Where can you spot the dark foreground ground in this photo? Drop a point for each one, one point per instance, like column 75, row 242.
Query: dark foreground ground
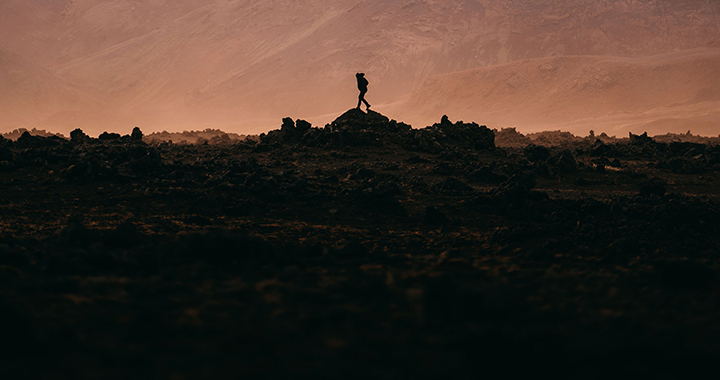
column 361, row 250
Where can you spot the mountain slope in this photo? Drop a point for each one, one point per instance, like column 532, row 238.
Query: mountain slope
column 580, row 93
column 163, row 63
column 32, row 95
column 400, row 43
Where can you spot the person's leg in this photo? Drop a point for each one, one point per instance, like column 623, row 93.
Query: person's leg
column 362, row 99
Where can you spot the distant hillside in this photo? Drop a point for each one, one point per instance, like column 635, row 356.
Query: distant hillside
column 667, row 93
column 186, row 64
column 212, row 136
column 30, row 94
column 15, row 134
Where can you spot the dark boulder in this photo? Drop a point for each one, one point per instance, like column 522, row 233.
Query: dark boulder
column 143, row 160
column 89, row 170
column 565, row 162
column 136, row 134
column 78, row 136
column 444, row 135
column 357, row 128
column 640, row 139
column 28, row 141
column 222, row 139
column 600, row 149
column 536, row 153
column 105, row 136
column 302, row 126
column 357, row 120
column 516, row 189
column 290, row 132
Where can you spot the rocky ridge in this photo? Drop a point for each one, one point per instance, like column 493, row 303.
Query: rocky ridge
column 312, row 248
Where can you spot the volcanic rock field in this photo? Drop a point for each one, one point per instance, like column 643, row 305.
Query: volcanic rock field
column 362, row 249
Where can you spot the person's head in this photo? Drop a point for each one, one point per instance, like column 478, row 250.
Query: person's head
column 358, row 75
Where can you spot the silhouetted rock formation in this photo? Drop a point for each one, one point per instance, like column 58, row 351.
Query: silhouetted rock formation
column 15, row 134
column 459, row 134
column 357, row 128
column 78, row 136
column 640, row 139
column 105, row 136
column 511, row 138
column 136, row 134
column 348, row 238
column 210, row 135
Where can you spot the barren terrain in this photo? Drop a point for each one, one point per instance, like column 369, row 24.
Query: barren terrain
column 361, row 249
column 659, row 94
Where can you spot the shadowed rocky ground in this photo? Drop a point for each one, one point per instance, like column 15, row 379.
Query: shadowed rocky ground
column 361, row 249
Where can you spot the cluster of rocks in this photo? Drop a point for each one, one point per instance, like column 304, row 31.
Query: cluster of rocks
column 357, row 128
column 362, row 234
column 677, row 157
column 108, row 156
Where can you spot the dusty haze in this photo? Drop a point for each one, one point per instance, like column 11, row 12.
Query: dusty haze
column 242, row 65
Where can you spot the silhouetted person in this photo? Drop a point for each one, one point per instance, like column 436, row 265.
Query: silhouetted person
column 362, row 86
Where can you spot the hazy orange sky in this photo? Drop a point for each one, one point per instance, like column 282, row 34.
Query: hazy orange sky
column 240, row 66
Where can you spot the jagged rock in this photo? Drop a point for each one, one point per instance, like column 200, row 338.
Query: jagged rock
column 87, row 170
column 516, row 189
column 302, row 126
column 362, row 173
column 357, row 128
column 290, row 132
column 640, row 139
column 565, row 162
column 288, row 125
column 223, row 139
column 357, row 120
column 28, row 141
column 105, row 136
column 418, row 183
column 78, row 136
column 536, row 153
column 145, row 160
column 136, row 134
column 600, row 149
column 445, row 134
column 510, row 137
